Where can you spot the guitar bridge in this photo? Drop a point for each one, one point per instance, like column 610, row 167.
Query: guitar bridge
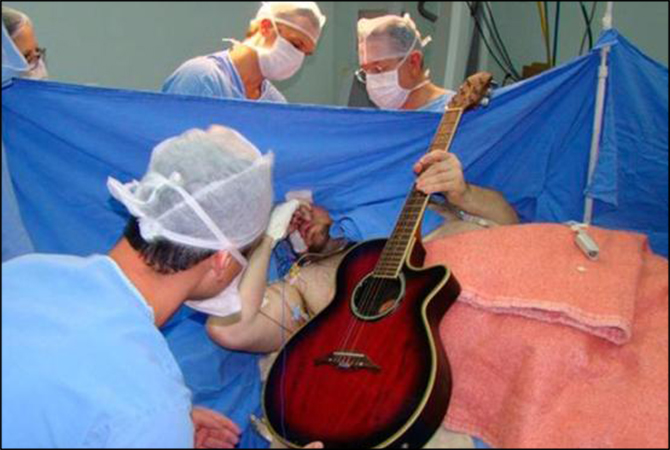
column 348, row 361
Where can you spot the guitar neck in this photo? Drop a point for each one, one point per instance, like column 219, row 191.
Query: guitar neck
column 398, row 246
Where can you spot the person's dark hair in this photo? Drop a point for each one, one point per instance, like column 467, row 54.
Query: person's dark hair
column 162, row 255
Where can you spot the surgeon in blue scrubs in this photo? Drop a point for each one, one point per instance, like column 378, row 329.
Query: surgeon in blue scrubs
column 391, row 54
column 21, row 58
column 83, row 362
column 391, row 57
column 278, row 40
column 15, row 239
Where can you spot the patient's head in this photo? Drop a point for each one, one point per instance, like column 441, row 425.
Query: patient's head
column 313, row 223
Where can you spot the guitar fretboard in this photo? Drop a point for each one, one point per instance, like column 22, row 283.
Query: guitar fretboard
column 397, row 247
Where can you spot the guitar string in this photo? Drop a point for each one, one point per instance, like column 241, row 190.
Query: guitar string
column 403, row 223
column 406, row 221
column 369, row 306
column 372, row 291
column 380, row 282
column 358, row 332
column 361, row 329
column 444, row 123
column 367, row 297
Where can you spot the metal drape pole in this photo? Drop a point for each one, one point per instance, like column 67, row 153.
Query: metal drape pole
column 603, row 73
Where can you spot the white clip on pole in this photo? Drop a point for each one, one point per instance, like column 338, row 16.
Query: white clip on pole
column 584, row 241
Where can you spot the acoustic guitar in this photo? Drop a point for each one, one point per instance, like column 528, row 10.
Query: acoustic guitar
column 370, row 371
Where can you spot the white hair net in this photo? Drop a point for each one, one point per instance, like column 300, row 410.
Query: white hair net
column 13, row 62
column 303, row 16
column 206, row 189
column 388, row 37
column 14, row 20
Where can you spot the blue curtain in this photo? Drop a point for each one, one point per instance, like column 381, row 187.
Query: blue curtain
column 532, row 144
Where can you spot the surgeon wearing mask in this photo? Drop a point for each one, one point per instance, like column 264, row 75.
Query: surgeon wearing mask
column 83, row 364
column 392, row 66
column 279, row 39
column 21, row 31
column 15, row 238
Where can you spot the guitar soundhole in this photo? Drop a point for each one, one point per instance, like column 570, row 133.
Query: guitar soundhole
column 377, row 297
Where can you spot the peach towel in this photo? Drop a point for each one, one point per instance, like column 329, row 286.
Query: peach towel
column 600, row 381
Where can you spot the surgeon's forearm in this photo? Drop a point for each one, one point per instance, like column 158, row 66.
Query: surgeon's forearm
column 254, row 280
column 488, row 204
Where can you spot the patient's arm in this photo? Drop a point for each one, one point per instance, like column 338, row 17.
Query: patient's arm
column 267, row 329
column 286, row 307
column 246, row 332
column 488, row 204
column 254, row 281
column 442, row 172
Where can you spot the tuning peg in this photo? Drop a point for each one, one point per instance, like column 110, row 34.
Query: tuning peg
column 486, row 99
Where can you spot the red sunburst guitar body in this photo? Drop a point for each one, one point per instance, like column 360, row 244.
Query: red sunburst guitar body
column 395, row 385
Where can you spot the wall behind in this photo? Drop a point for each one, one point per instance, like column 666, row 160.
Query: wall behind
column 645, row 24
column 136, row 45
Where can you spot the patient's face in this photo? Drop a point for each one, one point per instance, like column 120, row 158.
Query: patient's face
column 313, row 223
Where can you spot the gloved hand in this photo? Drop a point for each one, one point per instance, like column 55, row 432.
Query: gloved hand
column 280, row 219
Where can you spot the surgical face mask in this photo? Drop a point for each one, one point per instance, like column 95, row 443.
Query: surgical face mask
column 384, row 88
column 280, row 62
column 37, row 72
column 225, row 303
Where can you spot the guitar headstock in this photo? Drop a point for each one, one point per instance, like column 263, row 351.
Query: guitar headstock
column 475, row 89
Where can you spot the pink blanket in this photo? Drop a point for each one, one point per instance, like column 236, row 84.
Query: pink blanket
column 591, row 371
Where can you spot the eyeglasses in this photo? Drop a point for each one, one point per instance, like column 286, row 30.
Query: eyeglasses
column 34, row 56
column 362, row 75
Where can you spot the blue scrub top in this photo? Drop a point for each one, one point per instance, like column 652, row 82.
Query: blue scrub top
column 83, row 364
column 439, row 104
column 215, row 75
column 223, row 380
